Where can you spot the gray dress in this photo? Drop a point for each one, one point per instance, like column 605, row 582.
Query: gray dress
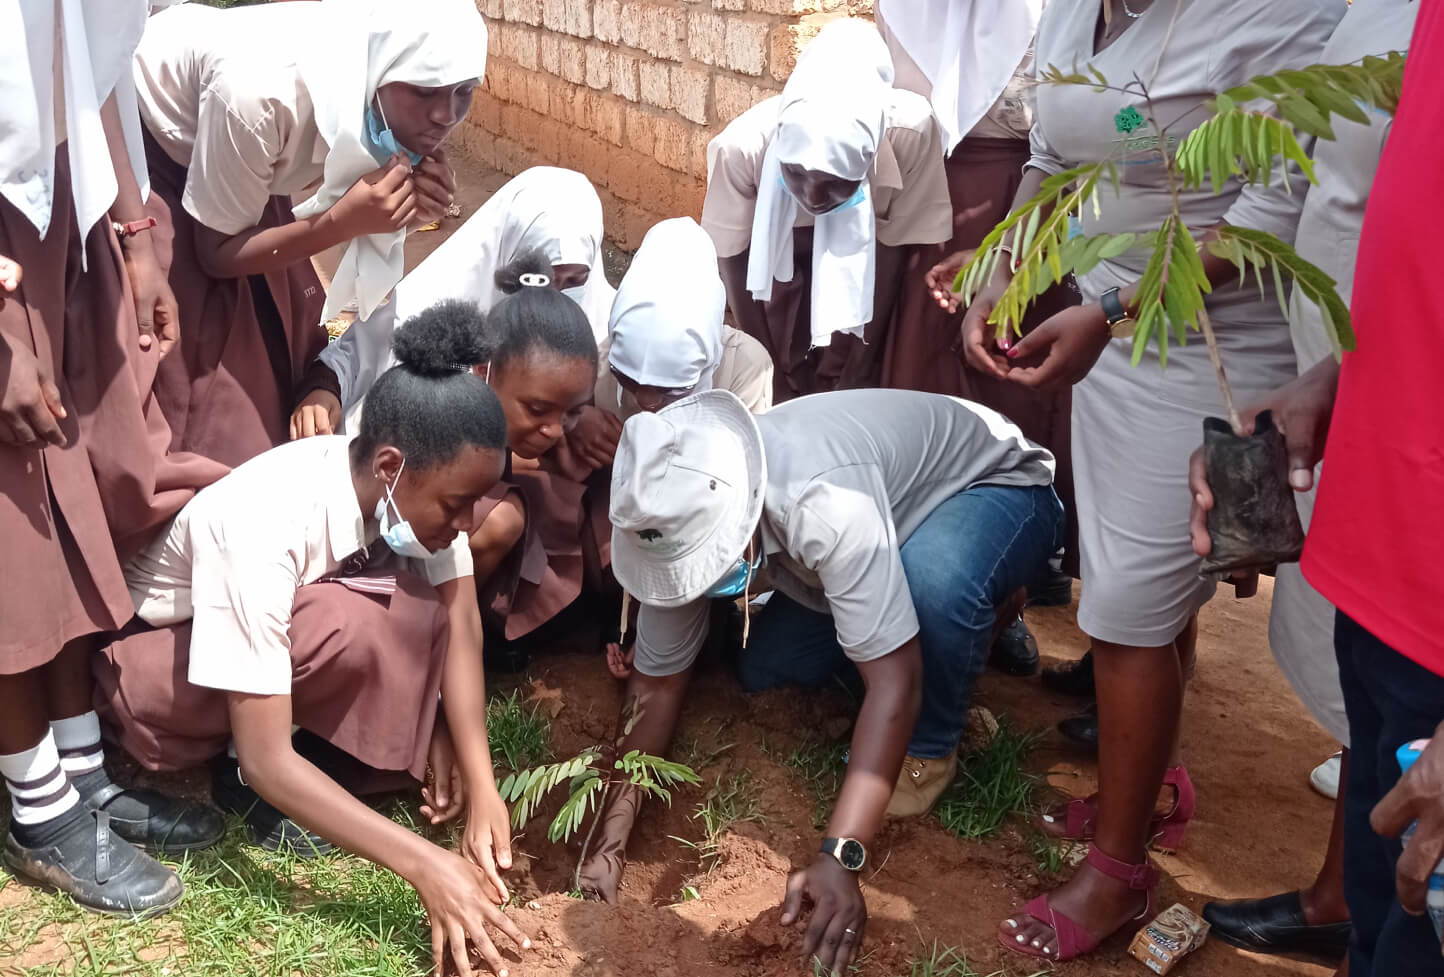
column 1135, row 428
column 1301, row 623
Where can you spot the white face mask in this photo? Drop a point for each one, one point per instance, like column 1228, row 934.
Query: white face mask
column 398, row 535
column 575, row 293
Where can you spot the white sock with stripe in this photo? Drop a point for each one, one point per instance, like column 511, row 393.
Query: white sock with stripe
column 39, row 788
column 78, row 740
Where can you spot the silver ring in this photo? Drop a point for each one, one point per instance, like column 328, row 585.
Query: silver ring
column 850, row 931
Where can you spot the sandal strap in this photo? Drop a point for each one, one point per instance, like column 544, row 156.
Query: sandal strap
column 1082, row 814
column 1139, row 877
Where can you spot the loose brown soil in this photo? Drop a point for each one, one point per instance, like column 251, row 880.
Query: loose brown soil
column 1249, row 747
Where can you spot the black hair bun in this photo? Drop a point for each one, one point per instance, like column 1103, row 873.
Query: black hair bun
column 446, row 338
column 508, row 277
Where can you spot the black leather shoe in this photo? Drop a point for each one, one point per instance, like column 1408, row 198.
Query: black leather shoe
column 154, row 822
column 99, row 870
column 1276, row 925
column 267, row 827
column 1074, row 678
column 1082, row 729
column 1015, row 652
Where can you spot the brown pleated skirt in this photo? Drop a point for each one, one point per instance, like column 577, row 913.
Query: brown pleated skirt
column 230, row 386
column 64, row 511
column 366, row 676
column 983, row 176
column 547, row 569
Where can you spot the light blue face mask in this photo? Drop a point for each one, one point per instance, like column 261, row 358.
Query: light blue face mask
column 856, row 198
column 398, row 535
column 734, row 582
column 576, row 293
column 382, row 141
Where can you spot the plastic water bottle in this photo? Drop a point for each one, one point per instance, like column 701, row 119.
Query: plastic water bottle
column 1434, row 901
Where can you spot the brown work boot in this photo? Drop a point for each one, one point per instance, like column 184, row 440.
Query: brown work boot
column 920, row 783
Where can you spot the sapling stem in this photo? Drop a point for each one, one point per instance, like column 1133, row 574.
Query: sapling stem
column 591, row 831
column 1206, row 326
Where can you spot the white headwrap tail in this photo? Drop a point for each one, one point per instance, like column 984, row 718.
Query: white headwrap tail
column 370, row 43
column 968, row 49
column 88, row 46
column 831, row 118
column 667, row 320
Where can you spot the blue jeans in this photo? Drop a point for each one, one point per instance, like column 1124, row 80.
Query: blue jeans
column 968, row 556
column 1390, row 700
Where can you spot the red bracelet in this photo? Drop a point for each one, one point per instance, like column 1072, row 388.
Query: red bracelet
column 133, row 228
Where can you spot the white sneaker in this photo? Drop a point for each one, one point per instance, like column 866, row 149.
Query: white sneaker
column 1325, row 777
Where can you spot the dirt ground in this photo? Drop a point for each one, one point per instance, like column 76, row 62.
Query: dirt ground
column 1248, row 743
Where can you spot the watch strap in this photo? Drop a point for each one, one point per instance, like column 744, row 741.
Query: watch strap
column 133, row 228
column 1112, row 306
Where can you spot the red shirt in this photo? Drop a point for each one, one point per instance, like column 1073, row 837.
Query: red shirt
column 1376, row 544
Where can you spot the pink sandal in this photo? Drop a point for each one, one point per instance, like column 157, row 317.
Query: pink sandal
column 1073, row 940
column 1165, row 832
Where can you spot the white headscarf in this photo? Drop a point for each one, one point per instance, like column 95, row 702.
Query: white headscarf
column 831, row 118
column 367, row 44
column 544, row 208
column 88, row 46
column 666, row 323
column 968, row 49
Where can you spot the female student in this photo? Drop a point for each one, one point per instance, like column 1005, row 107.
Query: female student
column 85, row 316
column 892, row 524
column 666, row 338
column 540, row 544
column 546, row 209
column 813, row 197
column 327, row 583
column 244, row 109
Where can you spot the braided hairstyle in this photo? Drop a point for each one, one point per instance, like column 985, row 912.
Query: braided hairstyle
column 531, row 317
column 430, row 405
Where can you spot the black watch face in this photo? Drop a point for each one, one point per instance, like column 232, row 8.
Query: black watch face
column 852, row 855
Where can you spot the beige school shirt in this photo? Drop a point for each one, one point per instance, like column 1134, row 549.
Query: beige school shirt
column 1333, row 213
column 745, row 370
column 221, row 92
column 233, row 558
column 851, row 475
column 909, row 187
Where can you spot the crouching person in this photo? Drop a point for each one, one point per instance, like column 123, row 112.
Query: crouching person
column 892, row 524
column 327, row 584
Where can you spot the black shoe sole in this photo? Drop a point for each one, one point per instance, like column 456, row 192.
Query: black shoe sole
column 270, row 837
column 1331, row 954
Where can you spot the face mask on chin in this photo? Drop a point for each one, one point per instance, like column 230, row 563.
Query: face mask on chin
column 398, row 535
column 382, row 141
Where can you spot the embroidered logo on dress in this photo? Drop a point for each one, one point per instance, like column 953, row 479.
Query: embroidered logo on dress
column 1129, row 120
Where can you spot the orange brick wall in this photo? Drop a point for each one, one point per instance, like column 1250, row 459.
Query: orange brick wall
column 629, row 92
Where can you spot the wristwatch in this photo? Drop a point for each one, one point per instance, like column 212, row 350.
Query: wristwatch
column 848, row 851
column 1120, row 323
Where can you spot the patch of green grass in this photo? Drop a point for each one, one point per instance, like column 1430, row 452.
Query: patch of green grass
column 946, row 961
column 245, row 911
column 699, row 752
column 993, row 784
column 1051, row 855
column 821, row 767
column 732, row 800
column 519, row 734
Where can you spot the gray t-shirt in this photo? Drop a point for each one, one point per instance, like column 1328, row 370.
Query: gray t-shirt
column 850, row 476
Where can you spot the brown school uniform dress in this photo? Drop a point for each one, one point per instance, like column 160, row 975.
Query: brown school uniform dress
column 272, row 583
column 231, row 135
column 909, row 196
column 64, row 510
